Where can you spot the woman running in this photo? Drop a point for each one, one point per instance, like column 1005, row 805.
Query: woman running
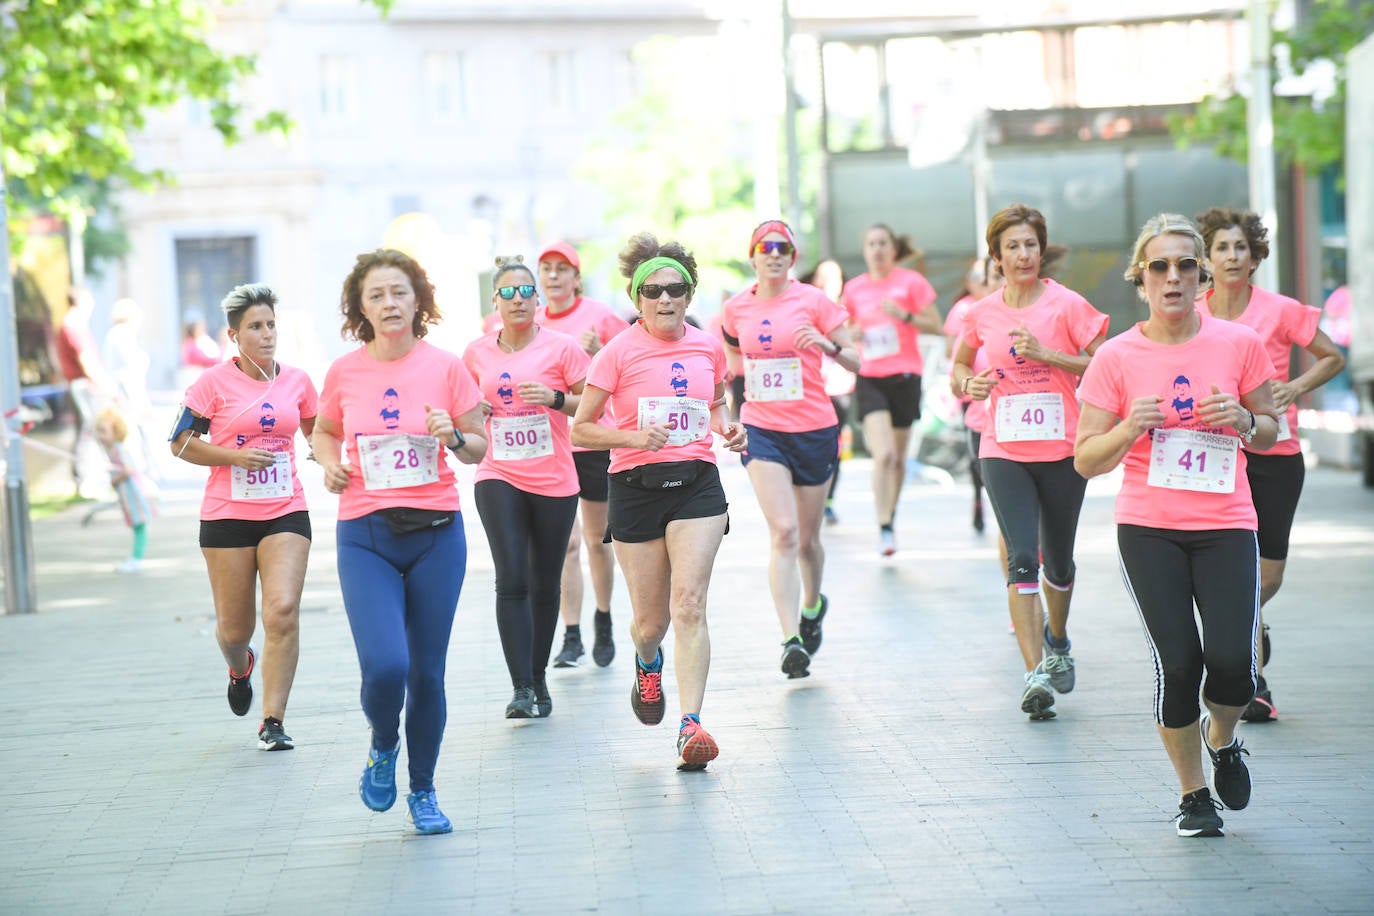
column 1038, row 337
column 781, row 327
column 665, row 383
column 1173, row 398
column 592, row 324
column 890, row 306
column 390, row 407
column 526, row 486
column 254, row 527
column 982, row 279
column 1236, row 244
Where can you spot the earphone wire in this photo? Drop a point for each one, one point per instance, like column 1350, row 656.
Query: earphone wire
column 271, row 380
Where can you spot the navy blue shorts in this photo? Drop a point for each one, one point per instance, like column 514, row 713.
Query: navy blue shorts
column 810, row 456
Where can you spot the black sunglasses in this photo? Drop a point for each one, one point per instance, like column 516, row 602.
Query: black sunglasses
column 655, row 291
column 1160, row 266
column 525, row 290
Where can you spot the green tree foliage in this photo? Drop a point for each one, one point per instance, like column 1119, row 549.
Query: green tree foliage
column 1305, row 134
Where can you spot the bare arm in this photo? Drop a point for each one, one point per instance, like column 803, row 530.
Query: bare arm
column 1028, row 346
column 1103, row 442
column 1328, row 365
column 587, row 433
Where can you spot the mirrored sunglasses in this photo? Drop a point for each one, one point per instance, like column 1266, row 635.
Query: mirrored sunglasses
column 774, row 247
column 526, row 290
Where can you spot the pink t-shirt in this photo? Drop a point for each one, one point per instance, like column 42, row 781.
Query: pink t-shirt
column 888, row 346
column 527, row 444
column 1129, row 366
column 491, row 322
column 585, row 315
column 248, row 413
column 976, row 416
column 379, row 399
column 774, row 367
column 1280, row 322
column 637, row 367
column 1061, row 320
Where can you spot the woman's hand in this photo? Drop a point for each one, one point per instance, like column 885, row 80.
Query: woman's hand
column 1285, row 394
column 736, row 440
column 979, row 386
column 336, row 477
column 535, row 393
column 439, row 424
column 254, row 459
column 1145, row 415
column 807, row 336
column 893, row 310
column 1219, row 409
column 652, row 438
column 1025, row 345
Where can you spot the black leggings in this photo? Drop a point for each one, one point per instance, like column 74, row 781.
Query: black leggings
column 1037, row 505
column 528, row 535
column 1275, row 486
column 1166, row 571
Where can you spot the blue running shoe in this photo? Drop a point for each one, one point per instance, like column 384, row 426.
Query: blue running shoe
column 378, row 785
column 425, row 813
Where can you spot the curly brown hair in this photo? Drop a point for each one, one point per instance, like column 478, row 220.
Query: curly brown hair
column 357, row 327
column 644, row 245
column 1247, row 221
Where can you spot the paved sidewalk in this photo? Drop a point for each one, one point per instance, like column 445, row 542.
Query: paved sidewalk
column 900, row 777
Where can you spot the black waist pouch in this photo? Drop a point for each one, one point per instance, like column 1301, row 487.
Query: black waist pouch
column 403, row 520
column 671, row 475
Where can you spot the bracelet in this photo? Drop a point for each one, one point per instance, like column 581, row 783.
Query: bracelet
column 835, row 352
column 558, row 399
column 458, row 434
column 963, row 386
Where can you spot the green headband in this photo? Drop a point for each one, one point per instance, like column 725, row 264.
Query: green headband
column 642, row 273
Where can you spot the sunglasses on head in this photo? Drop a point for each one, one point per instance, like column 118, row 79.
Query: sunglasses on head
column 1160, row 266
column 526, row 290
column 774, row 247
column 655, row 290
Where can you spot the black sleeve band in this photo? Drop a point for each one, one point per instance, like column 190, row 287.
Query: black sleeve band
column 732, row 341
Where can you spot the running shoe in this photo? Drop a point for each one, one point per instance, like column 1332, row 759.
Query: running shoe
column 1261, row 708
column 887, row 541
column 1264, row 644
column 425, row 813
column 272, row 737
column 1197, row 814
column 241, row 686
column 378, row 784
column 523, row 704
column 830, row 517
column 571, row 654
column 695, row 748
column 810, row 627
column 130, row 565
column 1058, row 664
column 646, row 697
column 603, row 648
column 796, row 661
column 541, row 696
column 1230, row 776
column 1038, row 700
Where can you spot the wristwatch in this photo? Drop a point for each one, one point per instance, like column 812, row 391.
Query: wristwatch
column 458, row 434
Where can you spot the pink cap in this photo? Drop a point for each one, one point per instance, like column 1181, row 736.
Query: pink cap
column 564, row 251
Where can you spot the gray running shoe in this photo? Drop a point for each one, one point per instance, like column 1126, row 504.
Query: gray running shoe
column 796, row 661
column 1058, row 664
column 571, row 654
column 1038, row 700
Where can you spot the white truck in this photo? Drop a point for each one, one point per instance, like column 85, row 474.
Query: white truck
column 1359, row 217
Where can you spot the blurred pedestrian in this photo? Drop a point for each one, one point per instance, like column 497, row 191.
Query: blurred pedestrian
column 136, row 495
column 88, row 387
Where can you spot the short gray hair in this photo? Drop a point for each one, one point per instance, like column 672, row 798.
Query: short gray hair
column 240, row 298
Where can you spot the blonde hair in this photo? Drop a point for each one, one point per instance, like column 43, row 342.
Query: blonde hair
column 506, row 263
column 113, row 417
column 1155, row 226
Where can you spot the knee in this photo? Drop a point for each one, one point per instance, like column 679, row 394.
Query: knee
column 574, row 547
column 786, row 538
column 424, row 682
column 689, row 607
column 280, row 617
column 385, row 675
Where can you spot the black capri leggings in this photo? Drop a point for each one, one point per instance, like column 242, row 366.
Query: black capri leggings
column 1037, row 505
column 1275, row 486
column 1166, row 571
column 528, row 535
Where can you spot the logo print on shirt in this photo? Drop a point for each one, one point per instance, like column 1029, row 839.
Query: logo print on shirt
column 766, row 335
column 268, row 420
column 679, row 380
column 505, row 390
column 391, row 409
column 1183, row 398
column 1020, row 360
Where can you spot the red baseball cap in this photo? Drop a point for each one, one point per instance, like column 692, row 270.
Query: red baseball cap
column 564, row 251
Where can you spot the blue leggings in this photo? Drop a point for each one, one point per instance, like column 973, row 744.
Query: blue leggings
column 400, row 592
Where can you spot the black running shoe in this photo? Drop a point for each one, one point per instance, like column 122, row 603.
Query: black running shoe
column 646, row 697
column 1197, row 814
column 241, row 687
column 603, row 648
column 523, row 705
column 272, row 737
column 1261, row 708
column 796, row 661
column 810, row 628
column 1229, row 773
column 571, row 654
column 541, row 696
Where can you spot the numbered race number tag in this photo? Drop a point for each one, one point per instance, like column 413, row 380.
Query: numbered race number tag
column 1030, row 417
column 1285, row 431
column 273, row 482
column 400, row 460
column 880, row 340
column 518, row 438
column 1189, row 459
column 687, row 419
column 778, row 379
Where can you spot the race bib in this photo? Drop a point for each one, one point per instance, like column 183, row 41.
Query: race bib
column 1285, row 432
column 518, row 438
column 400, row 460
column 687, row 419
column 778, row 379
column 1030, row 417
column 880, row 340
column 272, row 482
column 1189, row 459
